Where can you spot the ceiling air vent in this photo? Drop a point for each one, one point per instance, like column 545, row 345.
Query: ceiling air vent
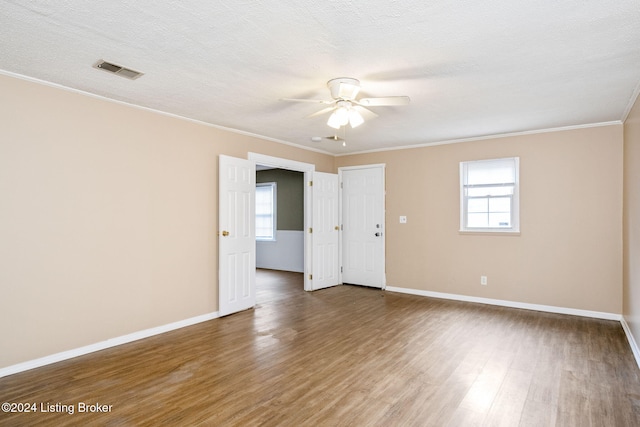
column 117, row 69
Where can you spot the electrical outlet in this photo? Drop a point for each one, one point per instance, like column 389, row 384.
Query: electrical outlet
column 403, row 219
column 483, row 280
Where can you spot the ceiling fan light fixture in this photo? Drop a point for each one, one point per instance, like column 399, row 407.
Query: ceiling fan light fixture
column 339, row 118
column 355, row 118
column 343, row 115
column 333, row 121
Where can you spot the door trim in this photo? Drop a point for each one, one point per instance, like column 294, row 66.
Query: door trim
column 308, row 169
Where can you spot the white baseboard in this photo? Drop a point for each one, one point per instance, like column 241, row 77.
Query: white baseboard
column 512, row 304
column 632, row 341
column 69, row 354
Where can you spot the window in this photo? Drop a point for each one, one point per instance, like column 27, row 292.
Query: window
column 266, row 211
column 489, row 195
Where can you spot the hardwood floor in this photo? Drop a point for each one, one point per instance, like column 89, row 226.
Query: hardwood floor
column 349, row 356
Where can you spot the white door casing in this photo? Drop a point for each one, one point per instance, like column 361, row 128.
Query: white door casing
column 308, row 169
column 326, row 231
column 363, row 219
column 236, row 235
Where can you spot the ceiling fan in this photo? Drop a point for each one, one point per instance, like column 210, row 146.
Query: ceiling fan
column 345, row 107
column 333, row 137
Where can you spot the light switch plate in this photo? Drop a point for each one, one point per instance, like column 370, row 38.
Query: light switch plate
column 403, row 219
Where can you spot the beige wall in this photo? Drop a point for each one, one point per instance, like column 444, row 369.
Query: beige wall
column 569, row 252
column 632, row 221
column 108, row 217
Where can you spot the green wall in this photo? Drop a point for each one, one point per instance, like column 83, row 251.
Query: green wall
column 290, row 194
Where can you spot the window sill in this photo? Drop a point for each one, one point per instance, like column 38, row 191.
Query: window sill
column 490, row 232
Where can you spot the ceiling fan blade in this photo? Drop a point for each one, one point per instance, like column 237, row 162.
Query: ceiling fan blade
column 312, row 101
column 334, row 138
column 384, row 101
column 323, row 111
column 365, row 113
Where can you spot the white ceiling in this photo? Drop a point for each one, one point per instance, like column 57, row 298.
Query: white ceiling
column 471, row 68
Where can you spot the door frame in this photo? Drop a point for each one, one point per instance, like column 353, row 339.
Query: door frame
column 382, row 166
column 308, row 169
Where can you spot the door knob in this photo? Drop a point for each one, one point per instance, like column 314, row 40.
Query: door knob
column 225, row 233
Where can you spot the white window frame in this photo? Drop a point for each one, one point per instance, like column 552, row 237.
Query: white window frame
column 514, row 223
column 274, row 194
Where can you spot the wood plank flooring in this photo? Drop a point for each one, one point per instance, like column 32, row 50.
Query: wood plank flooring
column 349, row 356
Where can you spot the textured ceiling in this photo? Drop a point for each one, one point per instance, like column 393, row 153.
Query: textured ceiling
column 471, row 68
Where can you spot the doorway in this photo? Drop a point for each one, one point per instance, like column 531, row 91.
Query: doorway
column 281, row 247
column 307, row 171
column 321, row 228
column 237, row 268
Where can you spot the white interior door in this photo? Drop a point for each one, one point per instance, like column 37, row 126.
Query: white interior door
column 363, row 226
column 236, row 235
column 326, row 231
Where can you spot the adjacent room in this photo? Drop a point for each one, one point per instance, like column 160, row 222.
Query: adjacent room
column 408, row 213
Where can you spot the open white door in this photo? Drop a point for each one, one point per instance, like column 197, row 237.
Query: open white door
column 363, row 225
column 236, row 235
column 326, row 231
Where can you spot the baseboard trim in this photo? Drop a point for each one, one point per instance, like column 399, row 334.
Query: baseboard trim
column 113, row 342
column 512, row 304
column 631, row 339
column 124, row 339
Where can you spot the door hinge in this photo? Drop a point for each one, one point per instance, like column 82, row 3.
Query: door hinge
column 310, row 183
column 311, row 277
column 341, row 269
column 310, row 230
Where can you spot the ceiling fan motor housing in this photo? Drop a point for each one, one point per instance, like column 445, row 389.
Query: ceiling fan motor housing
column 344, row 88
